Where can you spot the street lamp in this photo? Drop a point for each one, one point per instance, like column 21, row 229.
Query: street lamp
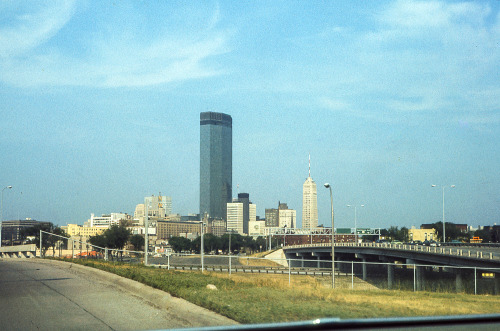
column 444, row 229
column 202, row 248
column 230, row 250
column 355, row 221
column 146, row 225
column 333, row 237
column 1, row 213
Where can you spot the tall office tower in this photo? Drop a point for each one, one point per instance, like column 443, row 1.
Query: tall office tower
column 216, row 164
column 244, row 198
column 309, row 202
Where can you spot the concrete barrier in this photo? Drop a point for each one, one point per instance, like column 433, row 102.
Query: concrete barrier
column 278, row 257
column 19, row 251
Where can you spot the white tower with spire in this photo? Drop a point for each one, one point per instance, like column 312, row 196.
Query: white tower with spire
column 309, row 202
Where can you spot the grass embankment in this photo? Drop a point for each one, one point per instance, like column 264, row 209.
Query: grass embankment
column 248, row 298
column 257, row 260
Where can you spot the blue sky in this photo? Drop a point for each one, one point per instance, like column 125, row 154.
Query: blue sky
column 100, row 103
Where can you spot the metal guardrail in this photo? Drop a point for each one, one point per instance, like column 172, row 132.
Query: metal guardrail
column 251, row 270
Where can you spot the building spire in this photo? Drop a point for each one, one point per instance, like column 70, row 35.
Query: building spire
column 309, row 164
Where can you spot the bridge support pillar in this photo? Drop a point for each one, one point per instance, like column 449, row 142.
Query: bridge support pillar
column 497, row 283
column 390, row 276
column 459, row 281
column 420, row 278
column 364, row 269
column 344, row 267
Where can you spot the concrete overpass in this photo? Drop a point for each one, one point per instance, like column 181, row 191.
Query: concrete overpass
column 423, row 263
column 462, row 256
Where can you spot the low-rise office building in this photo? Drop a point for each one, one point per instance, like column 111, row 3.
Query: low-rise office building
column 422, row 234
column 11, row 230
column 168, row 229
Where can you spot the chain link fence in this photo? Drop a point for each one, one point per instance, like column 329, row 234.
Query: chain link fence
column 353, row 275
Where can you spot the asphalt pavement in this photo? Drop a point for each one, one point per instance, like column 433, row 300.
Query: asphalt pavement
column 52, row 295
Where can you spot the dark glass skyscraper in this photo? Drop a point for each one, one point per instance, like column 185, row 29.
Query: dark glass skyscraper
column 245, row 199
column 216, row 163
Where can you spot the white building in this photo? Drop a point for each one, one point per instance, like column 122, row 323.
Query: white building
column 235, row 216
column 287, row 218
column 139, row 212
column 309, row 202
column 106, row 221
column 160, row 206
column 256, row 228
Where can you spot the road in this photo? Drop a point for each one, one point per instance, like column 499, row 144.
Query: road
column 195, row 260
column 52, row 295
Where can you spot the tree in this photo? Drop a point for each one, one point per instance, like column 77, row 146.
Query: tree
column 484, row 234
column 260, row 243
column 115, row 237
column 249, row 244
column 137, row 241
column 34, row 231
column 54, row 240
column 403, row 234
column 396, row 234
column 495, row 234
column 452, row 231
column 211, row 243
column 180, row 244
column 126, row 223
column 384, row 233
column 98, row 240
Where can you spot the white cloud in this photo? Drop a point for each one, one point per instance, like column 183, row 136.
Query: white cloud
column 429, row 56
column 29, row 30
column 110, row 58
column 432, row 14
column 333, row 104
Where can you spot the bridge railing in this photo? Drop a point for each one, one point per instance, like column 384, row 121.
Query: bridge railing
column 462, row 251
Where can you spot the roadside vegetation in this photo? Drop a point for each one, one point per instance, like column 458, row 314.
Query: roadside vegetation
column 214, row 244
column 260, row 298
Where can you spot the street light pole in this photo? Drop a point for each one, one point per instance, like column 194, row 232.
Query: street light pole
column 355, row 223
column 146, row 239
column 202, row 248
column 444, row 228
column 230, row 251
column 333, row 237
column 1, row 213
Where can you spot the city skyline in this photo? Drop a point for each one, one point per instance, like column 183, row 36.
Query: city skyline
column 387, row 97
